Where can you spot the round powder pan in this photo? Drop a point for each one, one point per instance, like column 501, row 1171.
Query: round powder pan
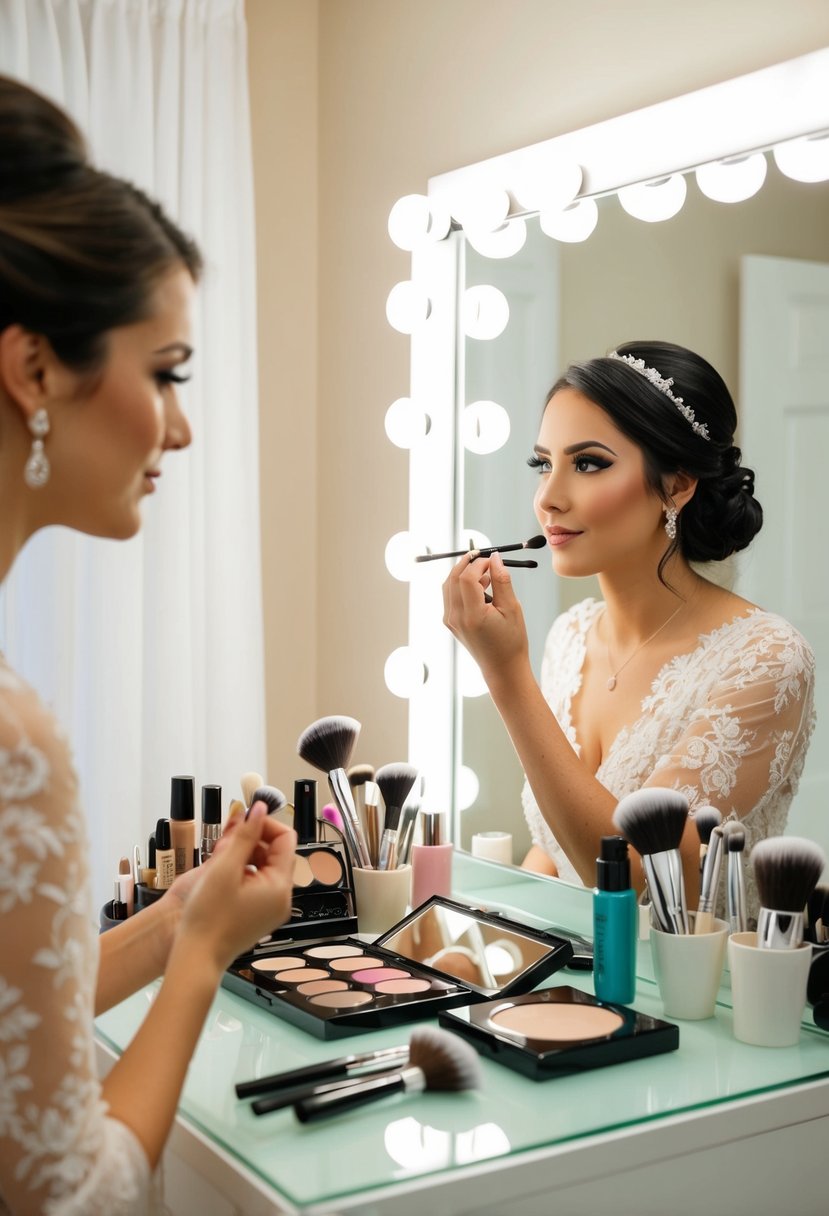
column 558, row 1031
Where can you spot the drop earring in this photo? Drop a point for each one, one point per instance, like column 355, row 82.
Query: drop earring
column 36, row 472
column 670, row 522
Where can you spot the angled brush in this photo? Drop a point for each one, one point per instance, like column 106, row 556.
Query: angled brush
column 327, row 744
column 653, row 820
column 787, row 870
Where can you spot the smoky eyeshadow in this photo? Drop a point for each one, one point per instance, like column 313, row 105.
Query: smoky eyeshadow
column 277, row 964
column 355, row 964
column 556, row 1023
column 341, row 1000
column 342, row 951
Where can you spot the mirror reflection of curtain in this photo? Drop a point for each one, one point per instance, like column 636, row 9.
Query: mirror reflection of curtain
column 151, row 652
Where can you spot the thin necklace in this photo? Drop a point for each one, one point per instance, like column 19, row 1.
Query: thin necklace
column 614, row 675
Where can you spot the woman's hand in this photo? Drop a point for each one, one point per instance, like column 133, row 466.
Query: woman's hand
column 491, row 627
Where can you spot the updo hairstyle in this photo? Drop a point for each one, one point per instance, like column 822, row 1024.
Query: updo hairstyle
column 723, row 516
column 80, row 250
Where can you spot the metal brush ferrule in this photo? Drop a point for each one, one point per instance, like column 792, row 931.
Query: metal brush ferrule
column 341, row 791
column 666, row 886
column 710, row 879
column 779, row 930
column 736, row 893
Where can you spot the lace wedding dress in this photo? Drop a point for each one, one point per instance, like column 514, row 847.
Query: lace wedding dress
column 60, row 1152
column 728, row 724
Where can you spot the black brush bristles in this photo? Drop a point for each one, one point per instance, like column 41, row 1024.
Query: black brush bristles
column 706, row 818
column 735, row 837
column 273, row 798
column 327, row 744
column 359, row 774
column 652, row 819
column 396, row 781
column 787, row 870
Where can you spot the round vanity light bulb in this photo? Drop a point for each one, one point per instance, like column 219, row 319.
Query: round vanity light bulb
column 550, row 187
column 485, row 427
column 484, row 312
column 400, row 554
column 473, row 539
column 407, row 307
column 404, row 672
column 654, row 201
column 732, row 180
column 572, row 224
column 805, row 159
column 482, row 210
column 414, row 220
column 406, row 423
column 505, row 241
column 470, row 681
column 468, row 787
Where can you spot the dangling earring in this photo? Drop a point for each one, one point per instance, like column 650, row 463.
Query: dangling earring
column 36, row 472
column 670, row 522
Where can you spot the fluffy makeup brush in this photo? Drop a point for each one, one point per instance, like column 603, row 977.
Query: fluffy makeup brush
column 706, row 818
column 284, row 1089
column 358, row 776
column 709, row 883
column 249, row 783
column 395, row 781
column 437, row 1060
column 408, row 819
column 653, row 820
column 735, row 843
column 787, row 870
column 273, row 798
column 327, row 744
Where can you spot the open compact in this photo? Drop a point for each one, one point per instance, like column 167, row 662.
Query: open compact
column 559, row 1031
column 442, row 954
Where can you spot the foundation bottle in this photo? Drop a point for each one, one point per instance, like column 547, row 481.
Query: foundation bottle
column 183, row 821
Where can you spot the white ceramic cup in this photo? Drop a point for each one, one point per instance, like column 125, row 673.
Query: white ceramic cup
column 494, row 846
column 768, row 991
column 382, row 897
column 688, row 969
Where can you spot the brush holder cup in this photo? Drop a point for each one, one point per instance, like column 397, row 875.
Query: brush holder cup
column 493, row 846
column 768, row 990
column 382, row 897
column 688, row 970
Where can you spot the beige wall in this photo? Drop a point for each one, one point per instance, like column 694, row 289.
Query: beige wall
column 355, row 103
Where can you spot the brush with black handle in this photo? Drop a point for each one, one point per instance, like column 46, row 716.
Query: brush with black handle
column 327, row 744
column 653, row 821
column 787, row 870
column 437, row 1060
column 706, row 818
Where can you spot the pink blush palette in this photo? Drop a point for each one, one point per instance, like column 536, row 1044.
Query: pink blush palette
column 442, row 955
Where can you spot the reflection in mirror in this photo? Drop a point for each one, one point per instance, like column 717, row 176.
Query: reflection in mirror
column 679, row 281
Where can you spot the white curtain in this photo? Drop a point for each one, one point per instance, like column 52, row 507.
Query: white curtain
column 151, row 651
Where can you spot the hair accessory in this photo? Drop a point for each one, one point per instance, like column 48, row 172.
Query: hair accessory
column 37, row 470
column 664, row 386
column 670, row 522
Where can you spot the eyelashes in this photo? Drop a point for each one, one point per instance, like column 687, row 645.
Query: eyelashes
column 581, row 463
column 167, row 376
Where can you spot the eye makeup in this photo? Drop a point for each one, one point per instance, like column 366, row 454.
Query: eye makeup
column 559, row 1031
column 442, row 954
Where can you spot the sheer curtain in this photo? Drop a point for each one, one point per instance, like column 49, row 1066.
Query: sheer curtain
column 151, row 651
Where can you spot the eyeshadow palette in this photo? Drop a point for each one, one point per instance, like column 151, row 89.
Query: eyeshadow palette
column 559, row 1031
column 322, row 903
column 442, row 954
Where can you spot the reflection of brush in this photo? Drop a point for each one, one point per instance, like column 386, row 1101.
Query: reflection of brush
column 437, row 1060
column 395, row 781
column 535, row 542
column 787, row 870
column 706, row 818
column 327, row 744
column 735, row 843
column 653, row 820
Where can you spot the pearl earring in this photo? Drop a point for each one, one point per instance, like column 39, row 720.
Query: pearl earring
column 36, row 472
column 670, row 522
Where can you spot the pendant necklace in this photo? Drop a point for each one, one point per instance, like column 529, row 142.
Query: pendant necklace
column 614, row 675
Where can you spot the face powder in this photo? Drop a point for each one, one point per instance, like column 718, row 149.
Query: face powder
column 354, row 964
column 301, row 974
column 276, row 964
column 341, row 1000
column 404, row 987
column 374, row 975
column 326, row 867
column 303, row 874
column 322, row 986
column 342, row 951
column 556, row 1023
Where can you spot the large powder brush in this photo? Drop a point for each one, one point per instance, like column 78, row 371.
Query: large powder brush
column 787, row 870
column 327, row 744
column 395, row 781
column 437, row 1061
column 653, row 820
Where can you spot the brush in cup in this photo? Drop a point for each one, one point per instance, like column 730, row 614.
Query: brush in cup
column 653, row 821
column 706, row 818
column 709, row 884
column 327, row 745
column 735, row 842
column 787, row 869
column 395, row 782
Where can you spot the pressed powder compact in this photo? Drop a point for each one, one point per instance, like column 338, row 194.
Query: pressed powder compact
column 442, row 954
column 559, row 1031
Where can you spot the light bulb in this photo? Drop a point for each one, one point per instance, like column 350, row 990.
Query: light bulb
column 550, row 187
column 415, row 220
column 510, row 238
column 732, row 180
column 572, row 224
column 484, row 312
column 473, row 539
column 406, row 423
column 404, row 672
column 407, row 307
column 470, row 681
column 400, row 554
column 805, row 159
column 654, row 201
column 485, row 427
column 468, row 787
column 482, row 210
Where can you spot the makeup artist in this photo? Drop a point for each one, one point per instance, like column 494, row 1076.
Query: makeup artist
column 671, row 680
column 95, row 294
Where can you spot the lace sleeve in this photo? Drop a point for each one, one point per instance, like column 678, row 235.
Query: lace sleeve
column 60, row 1153
column 745, row 745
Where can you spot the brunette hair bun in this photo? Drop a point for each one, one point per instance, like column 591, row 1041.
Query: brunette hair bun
column 723, row 516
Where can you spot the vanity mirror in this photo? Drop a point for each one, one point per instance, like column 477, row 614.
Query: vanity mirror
column 746, row 283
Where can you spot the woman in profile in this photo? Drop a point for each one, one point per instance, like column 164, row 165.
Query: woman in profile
column 671, row 680
column 95, row 291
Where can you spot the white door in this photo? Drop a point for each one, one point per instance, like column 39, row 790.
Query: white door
column 784, row 435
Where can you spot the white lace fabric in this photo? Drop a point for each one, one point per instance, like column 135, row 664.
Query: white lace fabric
column 60, row 1152
column 728, row 724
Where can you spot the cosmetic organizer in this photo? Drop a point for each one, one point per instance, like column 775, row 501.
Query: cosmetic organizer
column 441, row 955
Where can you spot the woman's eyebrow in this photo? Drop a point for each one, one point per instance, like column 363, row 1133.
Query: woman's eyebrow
column 588, row 443
column 180, row 347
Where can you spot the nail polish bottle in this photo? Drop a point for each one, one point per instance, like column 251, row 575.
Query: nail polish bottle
column 615, row 924
column 431, row 860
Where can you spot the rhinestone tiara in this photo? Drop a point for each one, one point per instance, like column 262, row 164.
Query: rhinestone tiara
column 664, row 386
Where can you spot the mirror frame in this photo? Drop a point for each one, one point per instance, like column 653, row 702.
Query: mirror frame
column 750, row 113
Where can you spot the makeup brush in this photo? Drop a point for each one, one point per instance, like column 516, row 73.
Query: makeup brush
column 653, row 820
column 342, row 1068
column 709, row 882
column 126, row 884
column 371, row 805
column 249, row 783
column 395, row 781
column 358, row 775
column 408, row 819
column 787, row 870
column 273, row 798
column 814, row 925
column 706, row 818
column 327, row 744
column 735, row 843
column 437, row 1060
column 535, row 542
